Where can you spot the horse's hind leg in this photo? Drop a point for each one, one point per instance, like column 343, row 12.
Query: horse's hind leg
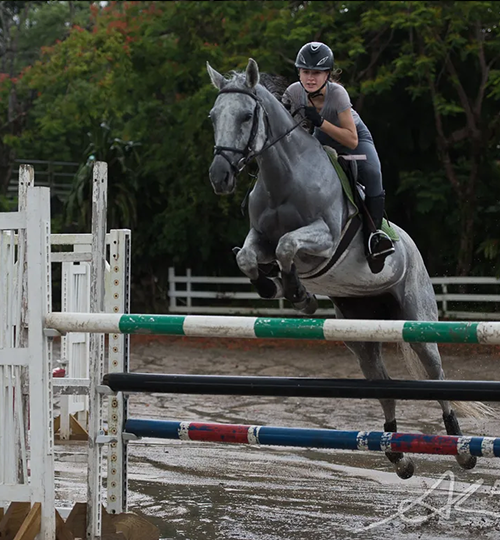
column 428, row 354
column 370, row 361
column 420, row 304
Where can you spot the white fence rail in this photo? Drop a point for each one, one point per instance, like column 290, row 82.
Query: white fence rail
column 463, row 298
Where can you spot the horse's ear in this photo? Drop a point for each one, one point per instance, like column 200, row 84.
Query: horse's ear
column 253, row 76
column 217, row 79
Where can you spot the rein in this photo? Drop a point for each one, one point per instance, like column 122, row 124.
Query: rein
column 247, row 153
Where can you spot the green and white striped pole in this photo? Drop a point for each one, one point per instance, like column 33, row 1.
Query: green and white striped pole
column 262, row 327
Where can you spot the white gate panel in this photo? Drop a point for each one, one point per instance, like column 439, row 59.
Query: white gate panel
column 75, row 346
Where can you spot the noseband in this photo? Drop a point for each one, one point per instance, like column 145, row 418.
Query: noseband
column 247, row 153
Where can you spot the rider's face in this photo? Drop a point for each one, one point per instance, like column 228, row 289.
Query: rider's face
column 312, row 79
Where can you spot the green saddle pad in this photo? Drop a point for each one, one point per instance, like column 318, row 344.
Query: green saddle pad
column 346, row 186
column 389, row 231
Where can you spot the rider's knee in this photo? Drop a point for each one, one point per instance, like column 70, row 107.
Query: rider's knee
column 370, row 175
column 372, row 180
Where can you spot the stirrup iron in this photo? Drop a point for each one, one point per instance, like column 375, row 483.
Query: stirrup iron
column 381, row 235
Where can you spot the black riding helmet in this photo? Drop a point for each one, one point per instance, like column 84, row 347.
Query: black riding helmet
column 315, row 55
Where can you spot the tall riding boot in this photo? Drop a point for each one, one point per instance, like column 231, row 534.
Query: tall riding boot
column 378, row 243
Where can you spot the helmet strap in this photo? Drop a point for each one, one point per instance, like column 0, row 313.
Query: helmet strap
column 316, row 93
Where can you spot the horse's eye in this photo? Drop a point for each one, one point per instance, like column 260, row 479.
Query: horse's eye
column 247, row 117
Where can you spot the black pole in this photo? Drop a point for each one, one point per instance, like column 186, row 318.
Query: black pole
column 304, row 387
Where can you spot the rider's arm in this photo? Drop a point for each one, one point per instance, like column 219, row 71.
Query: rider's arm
column 346, row 134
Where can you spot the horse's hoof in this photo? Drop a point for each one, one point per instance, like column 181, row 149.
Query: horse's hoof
column 466, row 462
column 308, row 306
column 404, row 468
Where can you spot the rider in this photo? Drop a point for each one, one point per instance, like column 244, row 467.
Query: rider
column 327, row 105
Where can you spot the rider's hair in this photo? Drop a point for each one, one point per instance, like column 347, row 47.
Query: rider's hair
column 335, row 75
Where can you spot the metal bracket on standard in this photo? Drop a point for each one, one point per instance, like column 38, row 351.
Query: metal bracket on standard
column 106, row 390
column 126, row 437
column 52, row 332
column 108, row 439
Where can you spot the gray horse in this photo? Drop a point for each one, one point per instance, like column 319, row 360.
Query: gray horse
column 298, row 214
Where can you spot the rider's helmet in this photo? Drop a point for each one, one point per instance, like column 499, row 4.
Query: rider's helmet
column 315, row 55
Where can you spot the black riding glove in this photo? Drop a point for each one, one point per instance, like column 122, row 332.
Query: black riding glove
column 313, row 115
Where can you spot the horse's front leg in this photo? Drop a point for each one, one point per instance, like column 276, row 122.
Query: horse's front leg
column 256, row 251
column 314, row 239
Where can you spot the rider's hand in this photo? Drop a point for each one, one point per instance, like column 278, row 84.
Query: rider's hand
column 313, row 115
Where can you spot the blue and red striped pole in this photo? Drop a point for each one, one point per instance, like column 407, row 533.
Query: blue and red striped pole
column 315, row 438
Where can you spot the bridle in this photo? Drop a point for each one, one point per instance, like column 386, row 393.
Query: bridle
column 247, row 154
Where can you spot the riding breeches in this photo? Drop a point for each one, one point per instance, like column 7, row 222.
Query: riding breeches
column 369, row 170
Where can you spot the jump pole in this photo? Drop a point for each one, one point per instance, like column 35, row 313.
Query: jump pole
column 303, row 387
column 377, row 441
column 260, row 327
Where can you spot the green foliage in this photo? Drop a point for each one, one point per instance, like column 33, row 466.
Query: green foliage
column 7, row 205
column 46, row 24
column 431, row 191
column 127, row 83
column 123, row 162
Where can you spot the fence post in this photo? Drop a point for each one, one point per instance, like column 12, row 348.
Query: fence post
column 40, row 362
column 50, row 176
column 444, row 288
column 26, row 180
column 96, row 357
column 188, row 288
column 172, row 300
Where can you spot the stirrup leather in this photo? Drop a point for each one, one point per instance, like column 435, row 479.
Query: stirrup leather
column 388, row 247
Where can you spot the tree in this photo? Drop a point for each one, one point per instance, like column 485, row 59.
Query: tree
column 139, row 68
column 11, row 111
column 450, row 58
column 25, row 28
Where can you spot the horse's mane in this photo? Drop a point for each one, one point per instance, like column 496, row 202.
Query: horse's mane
column 275, row 84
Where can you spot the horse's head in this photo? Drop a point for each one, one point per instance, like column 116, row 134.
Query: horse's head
column 239, row 125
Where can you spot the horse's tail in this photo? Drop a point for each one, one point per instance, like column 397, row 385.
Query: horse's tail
column 473, row 409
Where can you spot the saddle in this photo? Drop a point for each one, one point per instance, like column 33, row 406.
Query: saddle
column 347, row 170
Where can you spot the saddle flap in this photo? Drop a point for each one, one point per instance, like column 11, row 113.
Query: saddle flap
column 350, row 168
